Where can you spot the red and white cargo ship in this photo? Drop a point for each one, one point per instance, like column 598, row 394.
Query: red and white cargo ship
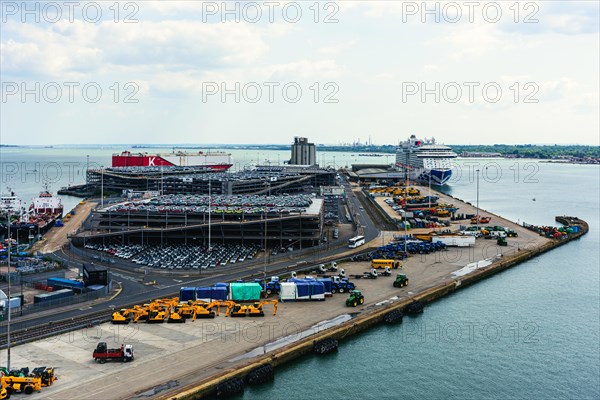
column 214, row 160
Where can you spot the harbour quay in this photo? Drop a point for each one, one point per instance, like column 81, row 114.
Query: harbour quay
column 205, row 357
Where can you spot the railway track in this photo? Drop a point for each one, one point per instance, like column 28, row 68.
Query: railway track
column 54, row 328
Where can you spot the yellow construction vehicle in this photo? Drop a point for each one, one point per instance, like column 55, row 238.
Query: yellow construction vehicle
column 21, row 384
column 124, row 315
column 205, row 310
column 158, row 316
column 141, row 313
column 255, row 310
column 175, row 317
column 237, row 310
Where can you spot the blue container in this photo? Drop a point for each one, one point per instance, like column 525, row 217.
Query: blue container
column 54, row 296
column 221, row 284
column 302, row 290
column 62, row 283
column 187, row 293
column 218, row 293
column 317, row 288
column 203, row 293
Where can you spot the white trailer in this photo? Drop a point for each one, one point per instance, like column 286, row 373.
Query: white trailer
column 287, row 291
column 454, row 240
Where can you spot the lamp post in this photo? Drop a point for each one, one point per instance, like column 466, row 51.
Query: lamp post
column 102, row 187
column 8, row 294
column 477, row 213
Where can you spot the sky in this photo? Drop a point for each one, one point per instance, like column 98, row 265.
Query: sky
column 154, row 72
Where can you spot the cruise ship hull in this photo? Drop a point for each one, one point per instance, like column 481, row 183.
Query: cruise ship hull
column 439, row 177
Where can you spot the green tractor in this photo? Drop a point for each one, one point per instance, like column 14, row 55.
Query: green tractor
column 355, row 298
column 511, row 233
column 501, row 241
column 401, row 280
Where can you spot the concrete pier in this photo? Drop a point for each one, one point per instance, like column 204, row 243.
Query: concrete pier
column 188, row 361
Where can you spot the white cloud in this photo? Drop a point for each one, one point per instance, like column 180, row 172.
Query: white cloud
column 336, row 49
column 305, row 69
column 71, row 49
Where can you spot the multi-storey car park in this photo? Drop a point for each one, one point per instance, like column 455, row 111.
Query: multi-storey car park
column 272, row 221
column 198, row 180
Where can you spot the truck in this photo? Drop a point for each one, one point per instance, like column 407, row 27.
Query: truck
column 103, row 353
column 331, row 268
column 341, row 285
column 373, row 274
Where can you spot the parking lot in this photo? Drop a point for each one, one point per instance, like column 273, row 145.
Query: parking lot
column 180, row 256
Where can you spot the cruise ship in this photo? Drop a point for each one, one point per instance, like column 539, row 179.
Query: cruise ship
column 425, row 160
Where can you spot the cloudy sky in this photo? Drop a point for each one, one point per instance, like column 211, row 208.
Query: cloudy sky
column 336, row 72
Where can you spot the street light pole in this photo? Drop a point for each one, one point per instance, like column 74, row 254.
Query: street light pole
column 8, row 294
column 102, row 187
column 477, row 213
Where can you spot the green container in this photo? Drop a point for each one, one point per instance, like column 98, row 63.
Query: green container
column 245, row 291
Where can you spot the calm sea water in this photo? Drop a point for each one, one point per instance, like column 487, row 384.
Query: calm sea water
column 530, row 332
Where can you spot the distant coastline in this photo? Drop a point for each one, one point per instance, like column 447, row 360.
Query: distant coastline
column 571, row 154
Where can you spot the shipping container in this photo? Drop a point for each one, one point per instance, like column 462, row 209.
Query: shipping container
column 15, row 302
column 302, row 290
column 317, row 291
column 458, row 241
column 221, row 284
column 245, row 291
column 204, row 293
column 328, row 285
column 54, row 296
column 62, row 283
column 288, row 291
column 186, row 294
column 218, row 293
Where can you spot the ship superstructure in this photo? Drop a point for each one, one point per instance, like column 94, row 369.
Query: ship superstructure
column 424, row 160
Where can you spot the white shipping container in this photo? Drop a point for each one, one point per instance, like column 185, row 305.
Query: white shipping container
column 287, row 291
column 457, row 241
column 15, row 302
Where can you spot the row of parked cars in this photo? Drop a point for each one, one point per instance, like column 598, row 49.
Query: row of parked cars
column 200, row 204
column 180, row 256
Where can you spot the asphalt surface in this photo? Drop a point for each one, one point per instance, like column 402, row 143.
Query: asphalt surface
column 133, row 290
